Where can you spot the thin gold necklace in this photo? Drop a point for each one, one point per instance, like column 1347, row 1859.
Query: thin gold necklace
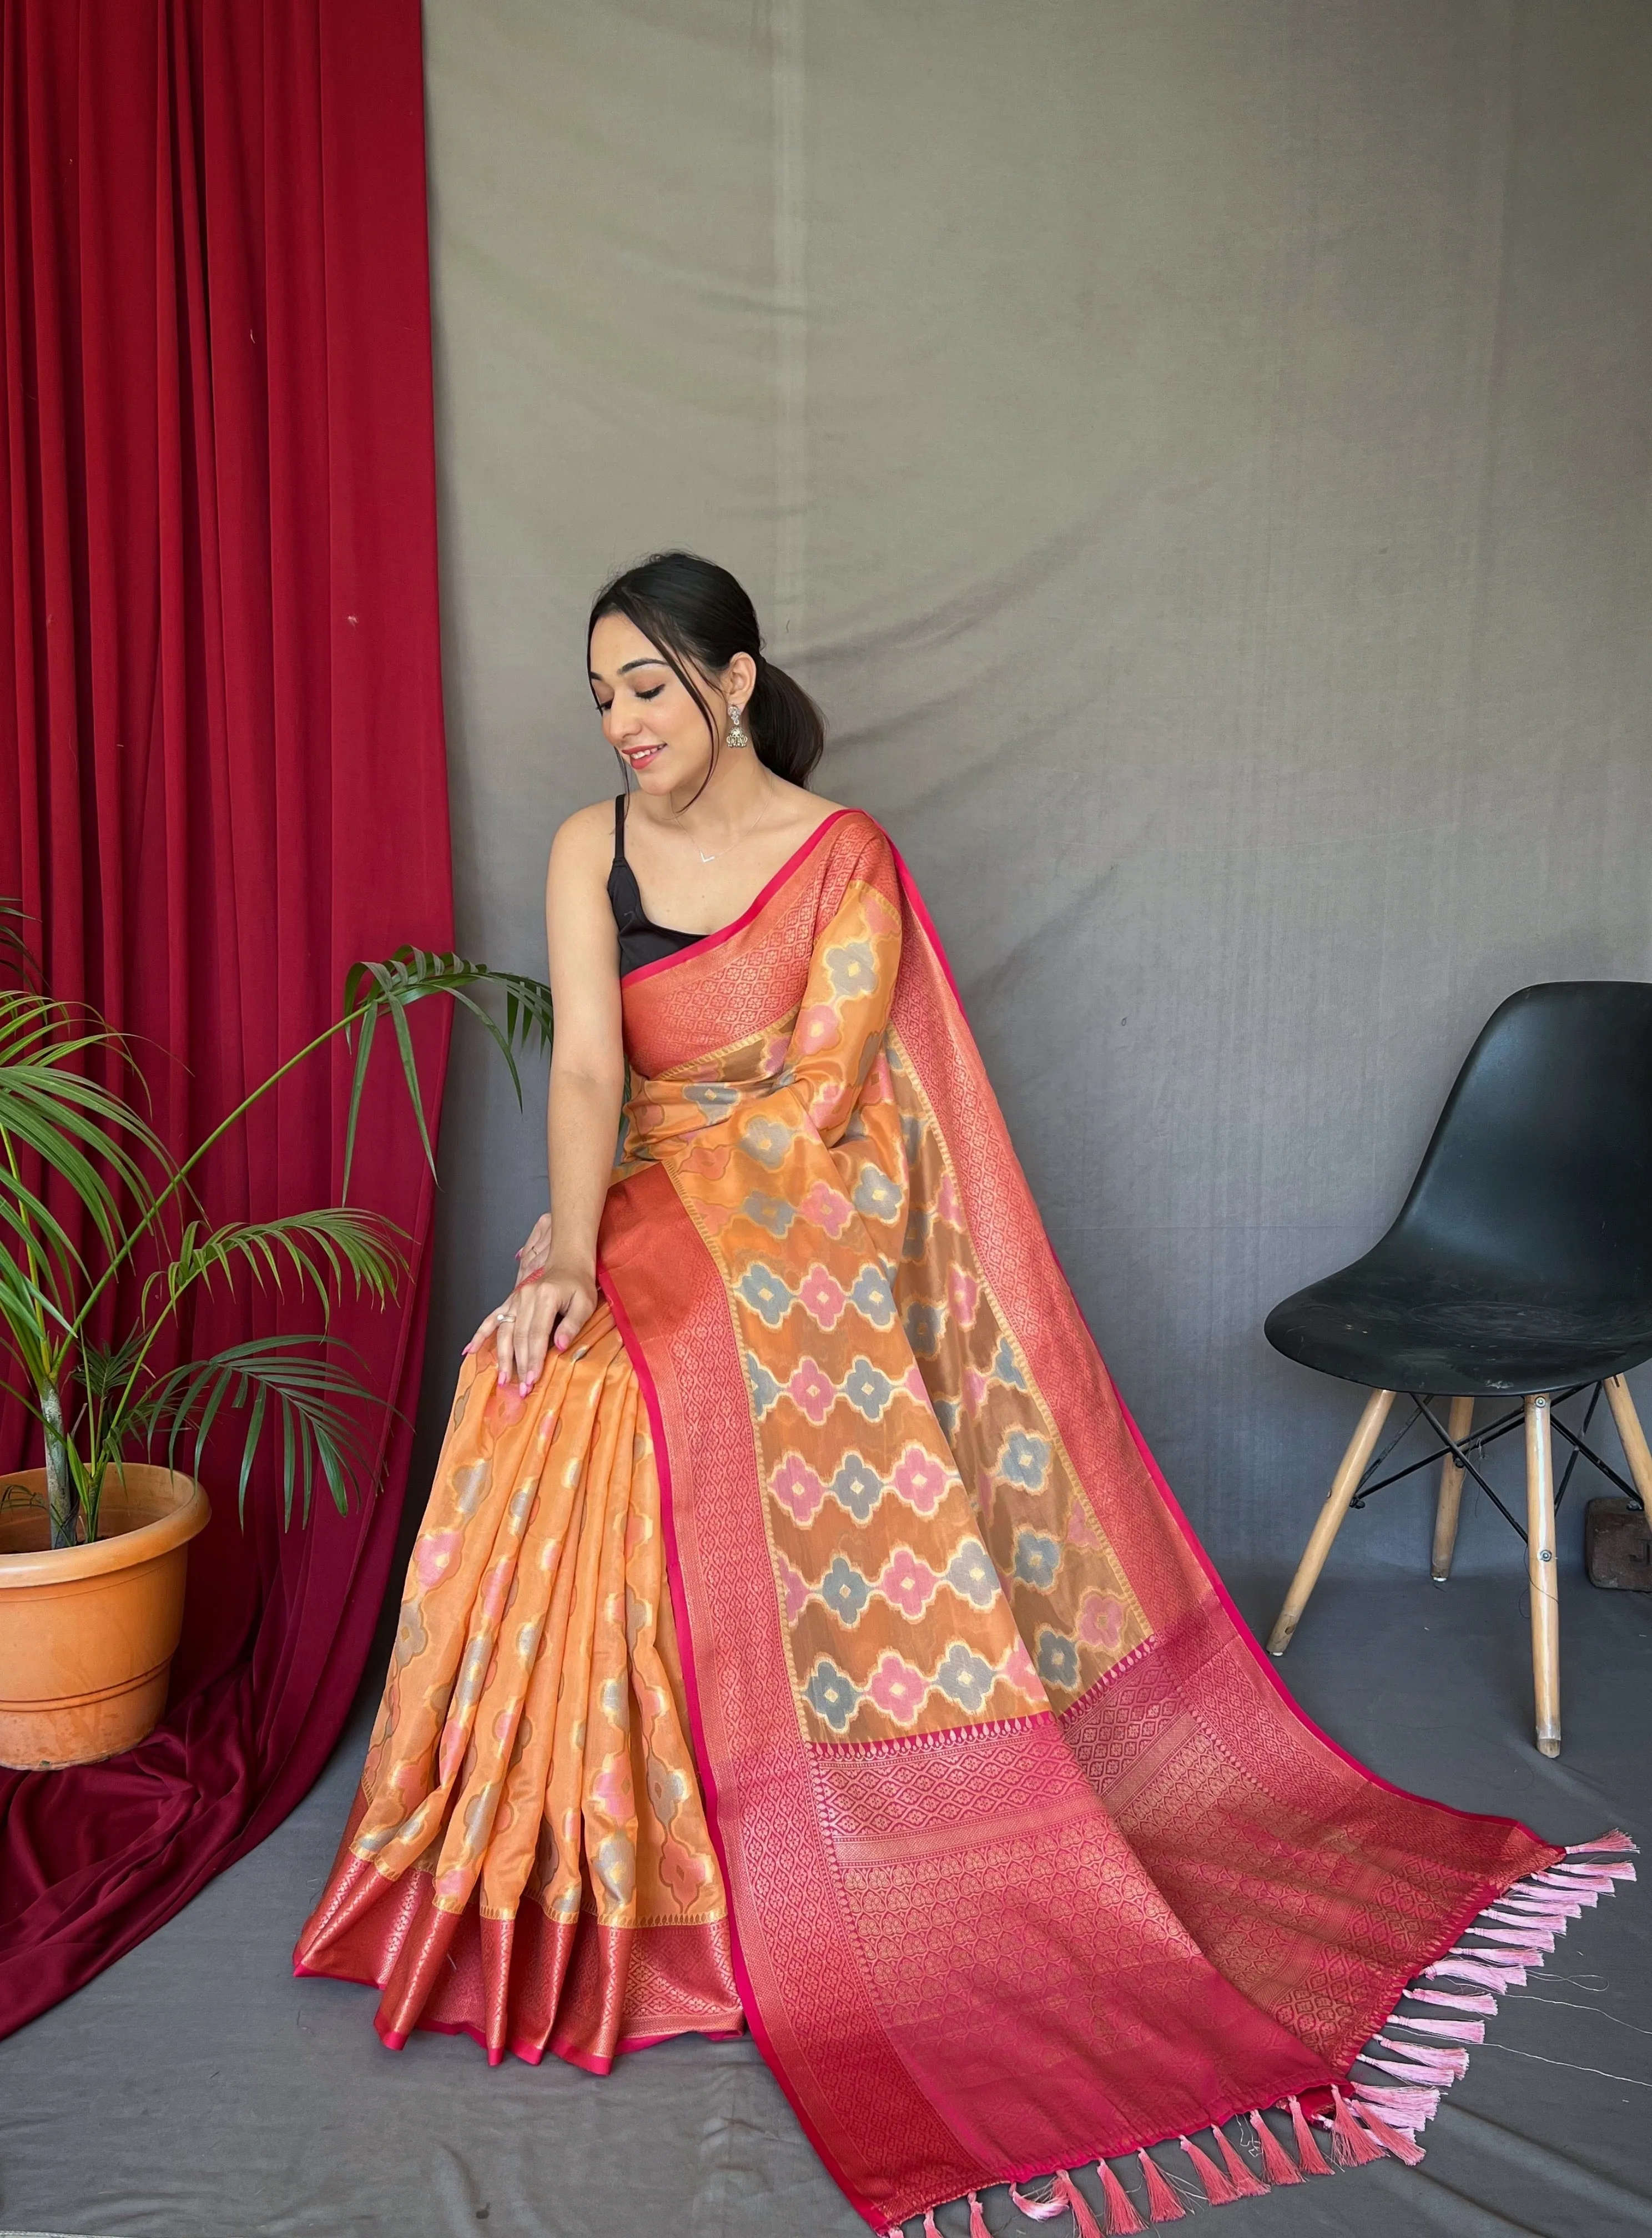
column 726, row 844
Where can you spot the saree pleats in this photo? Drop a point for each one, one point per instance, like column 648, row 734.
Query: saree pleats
column 528, row 1859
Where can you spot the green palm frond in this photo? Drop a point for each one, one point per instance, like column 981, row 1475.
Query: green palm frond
column 389, row 989
column 329, row 1251
column 105, row 1370
column 281, row 1379
column 51, row 1111
column 14, row 949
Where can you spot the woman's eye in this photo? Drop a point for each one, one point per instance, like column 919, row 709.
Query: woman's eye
column 603, row 706
column 655, row 694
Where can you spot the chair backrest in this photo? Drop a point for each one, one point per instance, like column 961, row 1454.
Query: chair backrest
column 1542, row 1160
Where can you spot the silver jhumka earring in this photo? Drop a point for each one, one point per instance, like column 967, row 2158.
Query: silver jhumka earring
column 736, row 736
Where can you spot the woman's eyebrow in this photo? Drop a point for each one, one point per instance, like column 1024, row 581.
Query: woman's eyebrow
column 649, row 660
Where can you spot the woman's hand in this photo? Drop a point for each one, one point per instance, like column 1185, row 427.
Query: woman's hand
column 535, row 1255
column 550, row 1306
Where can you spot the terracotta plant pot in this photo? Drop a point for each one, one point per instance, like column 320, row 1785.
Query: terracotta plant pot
column 88, row 1633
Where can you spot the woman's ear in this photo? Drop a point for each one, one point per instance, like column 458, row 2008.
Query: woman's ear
column 739, row 680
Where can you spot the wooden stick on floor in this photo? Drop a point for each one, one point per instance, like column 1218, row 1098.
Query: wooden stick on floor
column 1459, row 1423
column 1541, row 1572
column 1344, row 1486
column 1635, row 1451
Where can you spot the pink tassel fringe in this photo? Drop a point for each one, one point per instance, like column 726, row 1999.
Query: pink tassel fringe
column 1469, row 2004
column 1084, row 2222
column 1313, row 2160
column 1037, row 2210
column 978, row 2217
column 1218, row 2190
column 1350, row 2146
column 1391, row 2140
column 1614, row 1840
column 1123, row 2220
column 1447, row 2031
column 1277, row 2163
column 1242, row 2179
column 1161, row 2202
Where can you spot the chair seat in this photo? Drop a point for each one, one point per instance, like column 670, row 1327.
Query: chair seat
column 1393, row 1321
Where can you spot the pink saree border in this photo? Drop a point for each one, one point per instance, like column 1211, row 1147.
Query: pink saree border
column 708, row 941
column 702, row 1751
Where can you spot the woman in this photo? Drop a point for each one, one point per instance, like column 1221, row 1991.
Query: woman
column 799, row 1634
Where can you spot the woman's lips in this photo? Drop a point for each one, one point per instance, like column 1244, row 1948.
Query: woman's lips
column 640, row 756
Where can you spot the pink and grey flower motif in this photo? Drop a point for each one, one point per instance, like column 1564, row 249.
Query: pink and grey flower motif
column 765, row 1293
column 970, row 1573
column 435, row 1555
column 800, row 1492
column 853, row 970
column 908, row 1583
column 867, row 1388
column 1101, row 1621
column 920, row 1480
column 962, row 1294
column 844, row 1591
column 966, row 1677
column 832, row 1694
column 827, row 1208
column 857, row 1486
column 823, row 1297
column 767, row 1140
column 819, row 1028
column 1024, row 1460
column 871, row 1295
column 812, row 1390
column 896, row 1688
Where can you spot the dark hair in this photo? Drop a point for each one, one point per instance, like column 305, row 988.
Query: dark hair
column 696, row 614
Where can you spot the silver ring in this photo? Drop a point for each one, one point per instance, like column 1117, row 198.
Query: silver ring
column 507, row 1317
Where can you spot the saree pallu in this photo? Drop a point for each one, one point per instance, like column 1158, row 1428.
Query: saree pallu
column 819, row 1648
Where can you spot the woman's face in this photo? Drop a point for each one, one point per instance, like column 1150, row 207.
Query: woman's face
column 649, row 716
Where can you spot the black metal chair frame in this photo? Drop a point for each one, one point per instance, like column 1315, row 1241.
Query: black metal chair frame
column 1450, row 1450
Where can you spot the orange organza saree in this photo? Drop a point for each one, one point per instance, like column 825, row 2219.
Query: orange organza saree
column 818, row 1648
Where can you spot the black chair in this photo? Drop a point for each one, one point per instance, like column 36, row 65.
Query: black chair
column 1521, row 1266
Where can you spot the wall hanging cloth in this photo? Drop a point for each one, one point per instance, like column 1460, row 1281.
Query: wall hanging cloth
column 994, row 1824
column 225, row 776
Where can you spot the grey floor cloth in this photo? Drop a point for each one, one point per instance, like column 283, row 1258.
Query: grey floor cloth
column 195, row 2091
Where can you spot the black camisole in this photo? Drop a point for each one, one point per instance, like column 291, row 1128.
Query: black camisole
column 642, row 941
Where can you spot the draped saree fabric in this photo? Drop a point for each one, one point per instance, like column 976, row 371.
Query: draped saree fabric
column 223, row 778
column 996, row 1829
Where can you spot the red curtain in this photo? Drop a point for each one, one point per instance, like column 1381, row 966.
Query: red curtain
column 226, row 776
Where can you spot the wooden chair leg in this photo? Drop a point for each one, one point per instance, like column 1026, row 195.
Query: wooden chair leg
column 1459, row 1422
column 1541, row 1573
column 1632, row 1437
column 1344, row 1486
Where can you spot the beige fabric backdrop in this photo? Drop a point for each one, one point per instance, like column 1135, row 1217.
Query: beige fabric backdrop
column 1197, row 450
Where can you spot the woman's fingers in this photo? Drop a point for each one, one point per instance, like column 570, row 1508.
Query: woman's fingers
column 544, row 1308
column 577, row 1307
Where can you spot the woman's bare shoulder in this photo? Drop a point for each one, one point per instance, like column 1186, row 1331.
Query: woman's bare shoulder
column 587, row 837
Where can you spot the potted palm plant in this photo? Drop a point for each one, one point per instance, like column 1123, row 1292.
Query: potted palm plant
column 105, row 1245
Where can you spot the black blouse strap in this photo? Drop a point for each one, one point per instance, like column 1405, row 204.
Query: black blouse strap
column 619, row 831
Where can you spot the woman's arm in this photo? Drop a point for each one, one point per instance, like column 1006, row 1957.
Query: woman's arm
column 556, row 1293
